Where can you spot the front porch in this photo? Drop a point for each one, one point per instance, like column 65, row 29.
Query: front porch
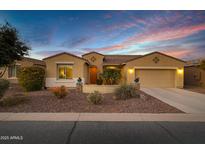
column 95, row 73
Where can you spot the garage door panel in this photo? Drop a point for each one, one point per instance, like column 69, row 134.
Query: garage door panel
column 156, row 78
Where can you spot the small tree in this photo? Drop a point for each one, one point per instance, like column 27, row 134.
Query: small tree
column 202, row 64
column 11, row 46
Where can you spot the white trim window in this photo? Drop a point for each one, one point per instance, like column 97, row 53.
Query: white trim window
column 12, row 71
column 64, row 71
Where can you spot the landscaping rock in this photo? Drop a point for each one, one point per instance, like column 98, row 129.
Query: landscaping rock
column 45, row 101
column 143, row 97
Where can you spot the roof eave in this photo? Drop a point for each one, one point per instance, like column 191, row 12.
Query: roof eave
column 93, row 52
column 154, row 53
column 111, row 64
column 66, row 54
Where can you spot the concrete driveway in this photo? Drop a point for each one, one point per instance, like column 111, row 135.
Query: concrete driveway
column 187, row 101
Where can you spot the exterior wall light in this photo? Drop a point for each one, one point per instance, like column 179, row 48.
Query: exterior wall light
column 180, row 71
column 111, row 67
column 131, row 71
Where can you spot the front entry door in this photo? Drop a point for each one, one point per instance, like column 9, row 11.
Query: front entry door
column 93, row 75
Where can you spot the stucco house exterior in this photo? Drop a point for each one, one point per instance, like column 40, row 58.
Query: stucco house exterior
column 11, row 71
column 194, row 76
column 154, row 70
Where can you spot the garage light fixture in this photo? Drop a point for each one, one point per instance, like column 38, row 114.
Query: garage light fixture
column 130, row 71
column 180, row 71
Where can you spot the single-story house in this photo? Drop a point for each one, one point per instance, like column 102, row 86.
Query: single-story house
column 11, row 71
column 154, row 70
column 194, row 76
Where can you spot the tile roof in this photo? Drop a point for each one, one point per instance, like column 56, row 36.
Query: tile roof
column 67, row 53
column 35, row 61
column 195, row 62
column 118, row 59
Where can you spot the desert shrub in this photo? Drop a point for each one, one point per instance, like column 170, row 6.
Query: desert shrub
column 4, row 85
column 126, row 92
column 95, row 98
column 59, row 92
column 13, row 100
column 31, row 78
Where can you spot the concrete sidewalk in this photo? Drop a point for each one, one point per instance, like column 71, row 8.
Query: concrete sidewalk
column 102, row 117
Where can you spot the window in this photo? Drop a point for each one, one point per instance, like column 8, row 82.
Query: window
column 65, row 71
column 12, row 71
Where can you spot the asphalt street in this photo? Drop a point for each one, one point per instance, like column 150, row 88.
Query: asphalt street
column 102, row 132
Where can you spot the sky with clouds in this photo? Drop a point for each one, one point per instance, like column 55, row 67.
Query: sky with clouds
column 177, row 33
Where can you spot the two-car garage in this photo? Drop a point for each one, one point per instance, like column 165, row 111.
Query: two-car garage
column 156, row 70
column 163, row 78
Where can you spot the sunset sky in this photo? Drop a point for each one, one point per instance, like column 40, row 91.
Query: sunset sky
column 178, row 33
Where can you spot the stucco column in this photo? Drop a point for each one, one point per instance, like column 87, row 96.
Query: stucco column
column 130, row 75
column 179, row 78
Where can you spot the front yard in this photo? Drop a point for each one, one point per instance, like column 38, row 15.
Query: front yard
column 45, row 101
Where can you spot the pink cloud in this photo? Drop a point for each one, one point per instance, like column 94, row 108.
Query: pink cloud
column 178, row 53
column 137, row 20
column 157, row 29
column 107, row 48
column 166, row 34
column 146, row 23
column 112, row 48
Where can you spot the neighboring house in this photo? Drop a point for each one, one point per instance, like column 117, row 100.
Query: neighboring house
column 194, row 76
column 11, row 71
column 154, row 70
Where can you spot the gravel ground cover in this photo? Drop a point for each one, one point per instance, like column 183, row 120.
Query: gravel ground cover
column 45, row 101
column 196, row 89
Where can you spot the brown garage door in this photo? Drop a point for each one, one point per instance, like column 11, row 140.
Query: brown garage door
column 156, row 78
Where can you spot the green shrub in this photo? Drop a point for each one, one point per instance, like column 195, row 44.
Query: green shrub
column 4, row 85
column 110, row 76
column 99, row 81
column 13, row 100
column 31, row 78
column 126, row 92
column 95, row 98
column 59, row 92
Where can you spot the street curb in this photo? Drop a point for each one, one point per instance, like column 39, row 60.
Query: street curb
column 102, row 117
